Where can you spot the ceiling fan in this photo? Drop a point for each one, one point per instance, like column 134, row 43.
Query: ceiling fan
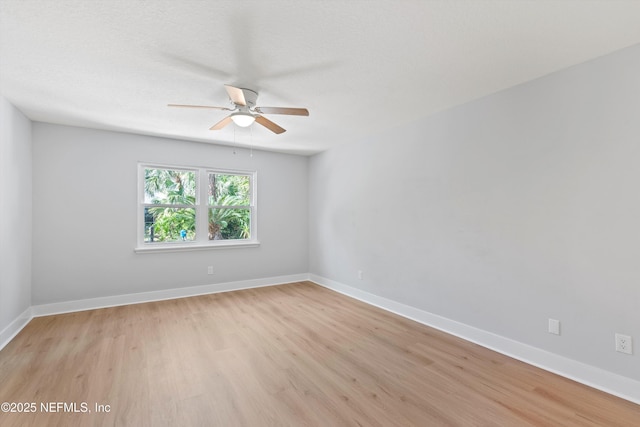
column 245, row 112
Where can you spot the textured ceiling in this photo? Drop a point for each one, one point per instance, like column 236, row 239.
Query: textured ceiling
column 359, row 66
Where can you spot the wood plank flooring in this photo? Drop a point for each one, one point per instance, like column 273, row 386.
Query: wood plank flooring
column 289, row 355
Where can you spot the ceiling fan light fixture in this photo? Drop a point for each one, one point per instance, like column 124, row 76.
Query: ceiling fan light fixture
column 243, row 119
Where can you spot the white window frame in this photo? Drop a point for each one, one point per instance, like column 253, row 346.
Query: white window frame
column 202, row 207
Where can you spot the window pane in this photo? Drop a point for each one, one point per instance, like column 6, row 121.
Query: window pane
column 229, row 224
column 166, row 186
column 228, row 190
column 169, row 224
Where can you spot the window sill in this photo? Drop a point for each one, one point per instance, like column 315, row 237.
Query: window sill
column 180, row 247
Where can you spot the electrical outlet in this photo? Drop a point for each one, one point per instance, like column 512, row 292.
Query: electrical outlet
column 360, row 274
column 210, row 269
column 554, row 326
column 624, row 344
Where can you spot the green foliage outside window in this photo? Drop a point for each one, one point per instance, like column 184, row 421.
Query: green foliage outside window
column 229, row 223
column 175, row 191
column 170, row 187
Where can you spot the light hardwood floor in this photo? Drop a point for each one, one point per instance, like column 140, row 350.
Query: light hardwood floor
column 289, row 355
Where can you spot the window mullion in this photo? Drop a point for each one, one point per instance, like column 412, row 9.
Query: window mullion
column 167, row 205
column 229, row 207
column 202, row 214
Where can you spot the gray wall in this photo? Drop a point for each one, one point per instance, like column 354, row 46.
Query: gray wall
column 500, row 213
column 15, row 213
column 85, row 193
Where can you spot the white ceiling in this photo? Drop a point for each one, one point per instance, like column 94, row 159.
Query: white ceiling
column 359, row 66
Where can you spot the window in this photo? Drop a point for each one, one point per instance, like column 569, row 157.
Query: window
column 229, row 206
column 195, row 208
column 169, row 205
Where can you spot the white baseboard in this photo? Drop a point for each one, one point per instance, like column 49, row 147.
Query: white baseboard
column 606, row 381
column 142, row 297
column 598, row 378
column 8, row 333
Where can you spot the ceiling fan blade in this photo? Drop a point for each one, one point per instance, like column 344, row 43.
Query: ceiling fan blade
column 199, row 106
column 269, row 124
column 236, row 94
column 222, row 123
column 281, row 110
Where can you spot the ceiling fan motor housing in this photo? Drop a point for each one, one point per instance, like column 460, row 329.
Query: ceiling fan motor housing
column 250, row 97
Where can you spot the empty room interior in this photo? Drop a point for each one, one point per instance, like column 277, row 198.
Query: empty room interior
column 319, row 213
